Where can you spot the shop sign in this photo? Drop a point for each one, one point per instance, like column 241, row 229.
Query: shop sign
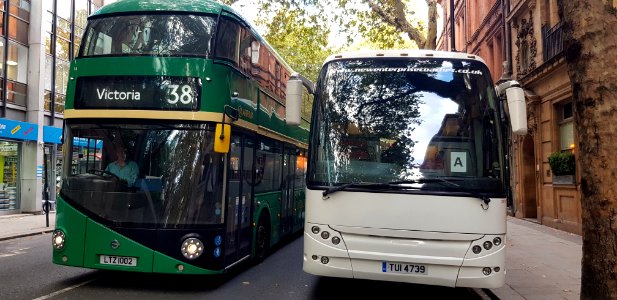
column 52, row 135
column 18, row 130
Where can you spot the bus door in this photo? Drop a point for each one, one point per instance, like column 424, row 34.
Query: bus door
column 287, row 192
column 239, row 198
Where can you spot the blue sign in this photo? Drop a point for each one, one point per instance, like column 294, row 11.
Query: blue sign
column 52, row 135
column 18, row 130
column 83, row 142
column 39, row 172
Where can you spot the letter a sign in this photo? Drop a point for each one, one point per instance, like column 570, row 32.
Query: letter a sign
column 458, row 162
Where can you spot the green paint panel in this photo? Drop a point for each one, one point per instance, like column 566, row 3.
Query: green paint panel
column 98, row 242
column 273, row 203
column 204, row 6
column 73, row 223
column 166, row 264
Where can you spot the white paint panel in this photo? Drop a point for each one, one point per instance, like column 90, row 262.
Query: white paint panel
column 407, row 212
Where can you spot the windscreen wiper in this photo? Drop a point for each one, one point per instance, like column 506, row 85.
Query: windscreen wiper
column 484, row 198
column 371, row 185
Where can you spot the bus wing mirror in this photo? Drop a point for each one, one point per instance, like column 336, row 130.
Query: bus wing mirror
column 294, row 93
column 293, row 101
column 222, row 139
column 517, row 107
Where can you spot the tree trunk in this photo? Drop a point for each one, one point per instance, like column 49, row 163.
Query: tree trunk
column 590, row 45
column 431, row 33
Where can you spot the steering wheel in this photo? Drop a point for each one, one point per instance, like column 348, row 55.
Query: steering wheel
column 103, row 172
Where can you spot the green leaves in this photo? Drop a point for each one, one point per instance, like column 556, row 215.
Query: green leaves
column 300, row 37
column 562, row 163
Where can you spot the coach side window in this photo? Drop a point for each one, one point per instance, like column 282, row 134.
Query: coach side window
column 228, row 37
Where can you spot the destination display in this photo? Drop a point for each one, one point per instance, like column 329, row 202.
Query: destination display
column 138, row 92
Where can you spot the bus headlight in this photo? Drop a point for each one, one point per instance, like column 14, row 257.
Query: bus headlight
column 315, row 229
column 57, row 239
column 192, row 248
column 497, row 241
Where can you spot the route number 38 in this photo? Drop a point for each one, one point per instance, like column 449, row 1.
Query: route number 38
column 183, row 93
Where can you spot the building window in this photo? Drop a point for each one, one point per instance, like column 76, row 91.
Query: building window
column 17, row 63
column 9, row 175
column 566, row 126
column 18, row 20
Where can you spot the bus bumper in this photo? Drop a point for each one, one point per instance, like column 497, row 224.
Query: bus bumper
column 445, row 262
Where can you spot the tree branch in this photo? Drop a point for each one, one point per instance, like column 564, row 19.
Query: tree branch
column 398, row 20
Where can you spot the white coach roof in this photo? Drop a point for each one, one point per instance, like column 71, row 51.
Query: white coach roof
column 403, row 53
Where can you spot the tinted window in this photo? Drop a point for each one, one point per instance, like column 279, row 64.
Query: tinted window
column 165, row 35
column 227, row 40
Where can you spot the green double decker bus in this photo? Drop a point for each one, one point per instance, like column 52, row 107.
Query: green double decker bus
column 177, row 157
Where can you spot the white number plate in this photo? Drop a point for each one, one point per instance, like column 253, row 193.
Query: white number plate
column 405, row 268
column 118, row 260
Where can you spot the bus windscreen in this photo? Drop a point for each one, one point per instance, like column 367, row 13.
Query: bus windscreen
column 387, row 120
column 159, row 35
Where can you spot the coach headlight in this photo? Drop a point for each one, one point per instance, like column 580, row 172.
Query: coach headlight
column 57, row 239
column 192, row 248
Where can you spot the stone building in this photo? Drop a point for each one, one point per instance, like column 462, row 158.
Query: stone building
column 526, row 37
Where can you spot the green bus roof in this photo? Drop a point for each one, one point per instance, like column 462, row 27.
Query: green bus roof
column 202, row 6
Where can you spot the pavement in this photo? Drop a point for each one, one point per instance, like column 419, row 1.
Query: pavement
column 541, row 262
column 21, row 225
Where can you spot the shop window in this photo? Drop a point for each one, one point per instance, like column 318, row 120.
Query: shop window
column 9, row 175
column 566, row 126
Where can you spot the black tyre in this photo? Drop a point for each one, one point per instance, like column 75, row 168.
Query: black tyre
column 262, row 238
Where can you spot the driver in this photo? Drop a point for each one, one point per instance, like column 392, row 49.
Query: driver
column 125, row 170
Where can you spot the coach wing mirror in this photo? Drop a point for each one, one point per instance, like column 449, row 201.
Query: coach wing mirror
column 517, row 108
column 222, row 139
column 295, row 89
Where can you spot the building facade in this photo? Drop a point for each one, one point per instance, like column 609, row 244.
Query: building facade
column 525, row 36
column 38, row 38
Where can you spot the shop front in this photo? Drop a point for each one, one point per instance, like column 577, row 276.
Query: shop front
column 12, row 136
column 9, row 175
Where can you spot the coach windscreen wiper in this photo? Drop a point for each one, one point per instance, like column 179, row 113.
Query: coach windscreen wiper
column 367, row 185
column 463, row 189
